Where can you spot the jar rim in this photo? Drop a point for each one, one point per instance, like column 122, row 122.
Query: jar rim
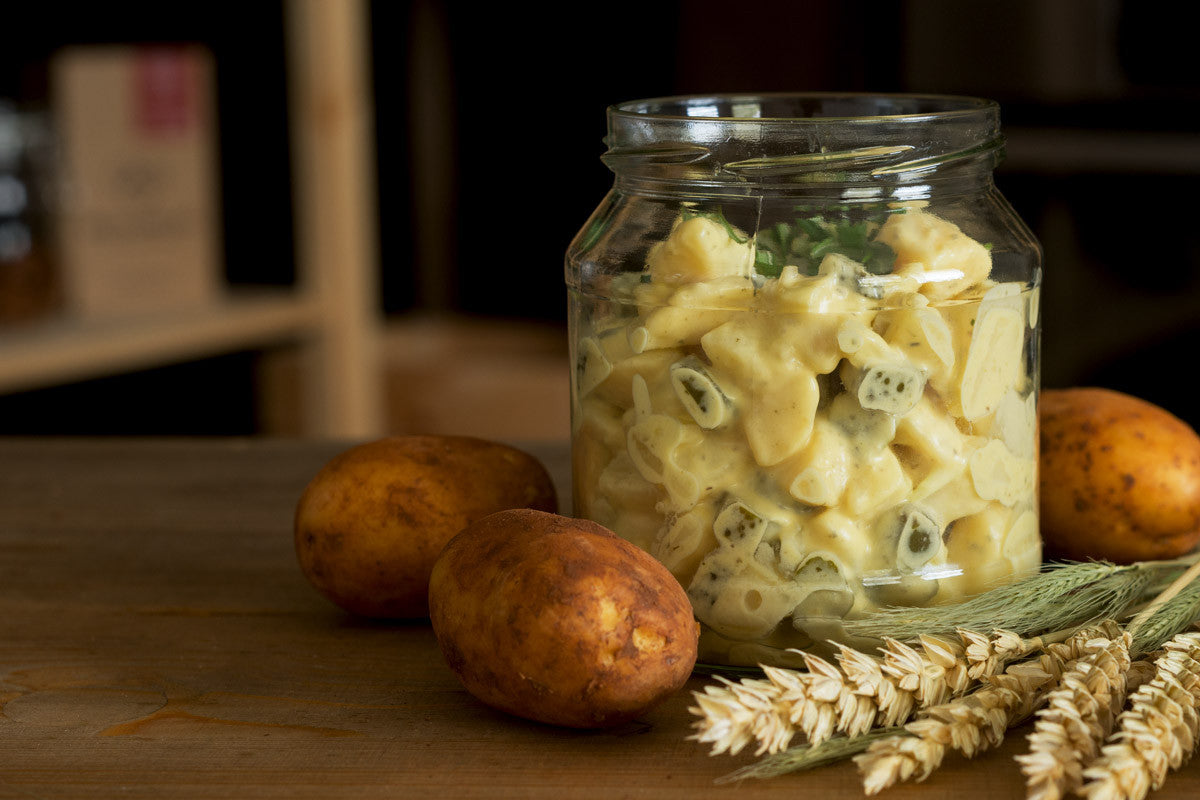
column 904, row 106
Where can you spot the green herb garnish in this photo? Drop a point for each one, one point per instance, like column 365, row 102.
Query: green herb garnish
column 808, row 240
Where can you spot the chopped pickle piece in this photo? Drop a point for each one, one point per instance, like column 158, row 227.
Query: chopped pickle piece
column 699, row 393
column 739, row 527
column 822, row 569
column 920, row 539
column 894, row 388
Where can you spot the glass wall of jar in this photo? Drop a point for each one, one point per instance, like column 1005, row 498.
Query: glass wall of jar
column 805, row 338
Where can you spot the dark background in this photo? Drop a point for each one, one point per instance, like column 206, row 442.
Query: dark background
column 1099, row 99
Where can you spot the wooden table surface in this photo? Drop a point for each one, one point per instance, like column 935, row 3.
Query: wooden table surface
column 157, row 640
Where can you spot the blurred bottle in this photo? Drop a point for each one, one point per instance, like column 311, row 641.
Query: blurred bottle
column 29, row 286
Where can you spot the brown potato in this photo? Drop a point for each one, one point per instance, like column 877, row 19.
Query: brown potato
column 559, row 620
column 1120, row 477
column 370, row 524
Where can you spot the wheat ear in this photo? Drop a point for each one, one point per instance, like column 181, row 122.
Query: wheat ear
column 1075, row 719
column 977, row 721
column 852, row 696
column 1157, row 733
column 734, row 715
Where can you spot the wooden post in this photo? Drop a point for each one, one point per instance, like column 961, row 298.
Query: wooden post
column 336, row 213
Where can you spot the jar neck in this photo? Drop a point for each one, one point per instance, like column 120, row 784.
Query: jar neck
column 867, row 147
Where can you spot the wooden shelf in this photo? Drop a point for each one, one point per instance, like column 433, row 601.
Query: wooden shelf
column 332, row 313
column 66, row 349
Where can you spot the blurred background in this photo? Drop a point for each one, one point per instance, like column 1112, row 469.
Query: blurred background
column 348, row 218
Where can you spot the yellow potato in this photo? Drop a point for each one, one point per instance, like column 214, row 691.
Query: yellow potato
column 559, row 620
column 1120, row 477
column 370, row 524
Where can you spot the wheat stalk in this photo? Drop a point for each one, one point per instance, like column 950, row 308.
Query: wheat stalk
column 1074, row 721
column 807, row 756
column 852, row 696
column 977, row 721
column 1157, row 733
column 862, row 705
column 1062, row 596
column 736, row 714
column 1150, row 632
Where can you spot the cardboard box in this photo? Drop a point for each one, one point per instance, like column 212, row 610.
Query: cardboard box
column 139, row 220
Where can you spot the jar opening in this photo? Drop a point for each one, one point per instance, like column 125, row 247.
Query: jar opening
column 816, row 106
column 802, row 140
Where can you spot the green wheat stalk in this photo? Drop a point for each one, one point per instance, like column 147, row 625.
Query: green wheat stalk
column 1062, row 596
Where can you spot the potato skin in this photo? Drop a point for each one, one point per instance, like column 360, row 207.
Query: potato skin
column 370, row 524
column 1119, row 477
column 559, row 620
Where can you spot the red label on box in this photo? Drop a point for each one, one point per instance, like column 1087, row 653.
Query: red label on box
column 165, row 87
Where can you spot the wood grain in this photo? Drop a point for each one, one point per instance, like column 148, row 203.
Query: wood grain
column 157, row 640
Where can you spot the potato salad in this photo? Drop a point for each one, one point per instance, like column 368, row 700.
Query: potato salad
column 811, row 422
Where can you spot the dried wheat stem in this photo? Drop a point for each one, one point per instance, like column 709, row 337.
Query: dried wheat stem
column 1164, row 597
column 1157, row 733
column 806, row 756
column 977, row 721
column 987, row 655
column 852, row 696
column 1076, row 718
column 736, row 714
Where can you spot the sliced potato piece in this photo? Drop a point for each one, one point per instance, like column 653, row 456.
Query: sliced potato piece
column 994, row 361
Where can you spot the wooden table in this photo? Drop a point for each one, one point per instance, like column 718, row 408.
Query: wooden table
column 157, row 640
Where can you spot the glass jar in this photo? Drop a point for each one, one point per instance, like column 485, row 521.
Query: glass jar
column 806, row 340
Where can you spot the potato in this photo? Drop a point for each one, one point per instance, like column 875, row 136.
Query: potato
column 1120, row 477
column 559, row 620
column 370, row 524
